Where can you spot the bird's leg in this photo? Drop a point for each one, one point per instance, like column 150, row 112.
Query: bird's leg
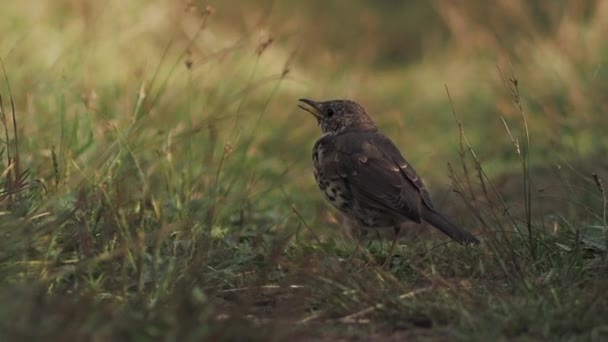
column 397, row 230
column 379, row 239
column 360, row 235
column 355, row 231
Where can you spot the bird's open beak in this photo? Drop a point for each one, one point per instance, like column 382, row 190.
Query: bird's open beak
column 313, row 107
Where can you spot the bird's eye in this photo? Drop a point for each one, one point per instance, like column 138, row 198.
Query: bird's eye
column 330, row 112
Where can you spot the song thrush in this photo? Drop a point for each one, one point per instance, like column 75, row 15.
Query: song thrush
column 363, row 174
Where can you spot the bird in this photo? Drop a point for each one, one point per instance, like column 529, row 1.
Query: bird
column 362, row 173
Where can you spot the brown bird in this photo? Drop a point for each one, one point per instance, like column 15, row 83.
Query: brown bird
column 363, row 174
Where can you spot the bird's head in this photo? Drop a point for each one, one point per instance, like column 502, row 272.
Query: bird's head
column 335, row 116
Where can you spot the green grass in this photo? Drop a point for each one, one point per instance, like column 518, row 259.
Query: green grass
column 157, row 182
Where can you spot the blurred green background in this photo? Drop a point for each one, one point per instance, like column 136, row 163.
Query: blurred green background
column 89, row 61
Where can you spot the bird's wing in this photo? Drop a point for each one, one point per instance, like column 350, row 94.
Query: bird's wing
column 377, row 174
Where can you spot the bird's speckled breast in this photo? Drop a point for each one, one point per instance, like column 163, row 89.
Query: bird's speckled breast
column 334, row 188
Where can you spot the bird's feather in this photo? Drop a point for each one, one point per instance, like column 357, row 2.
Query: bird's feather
column 376, row 172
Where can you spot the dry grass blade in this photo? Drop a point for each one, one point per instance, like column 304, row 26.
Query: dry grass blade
column 355, row 318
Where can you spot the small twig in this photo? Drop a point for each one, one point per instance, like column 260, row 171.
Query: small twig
column 263, row 287
column 600, row 185
column 354, row 318
column 309, row 318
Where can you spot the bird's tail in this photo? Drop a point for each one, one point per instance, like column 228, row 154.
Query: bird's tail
column 450, row 229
